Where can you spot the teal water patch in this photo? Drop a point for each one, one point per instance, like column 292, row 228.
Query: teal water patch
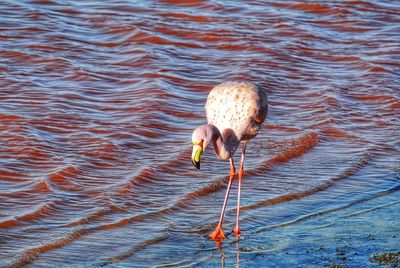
column 348, row 237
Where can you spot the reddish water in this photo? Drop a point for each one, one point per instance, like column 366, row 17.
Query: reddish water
column 97, row 106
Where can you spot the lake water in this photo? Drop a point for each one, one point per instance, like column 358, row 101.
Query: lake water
column 98, row 101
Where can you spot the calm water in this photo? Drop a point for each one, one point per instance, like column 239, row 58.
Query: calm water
column 97, row 106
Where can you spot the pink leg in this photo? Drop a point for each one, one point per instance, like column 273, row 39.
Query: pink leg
column 236, row 231
column 218, row 234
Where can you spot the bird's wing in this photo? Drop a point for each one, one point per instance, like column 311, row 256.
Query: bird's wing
column 240, row 106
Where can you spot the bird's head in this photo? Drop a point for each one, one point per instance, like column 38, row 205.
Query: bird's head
column 200, row 140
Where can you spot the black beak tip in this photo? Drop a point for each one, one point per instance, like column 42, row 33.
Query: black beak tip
column 196, row 164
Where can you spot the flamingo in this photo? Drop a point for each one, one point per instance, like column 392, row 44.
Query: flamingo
column 235, row 111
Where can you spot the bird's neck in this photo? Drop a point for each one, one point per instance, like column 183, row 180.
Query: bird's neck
column 224, row 143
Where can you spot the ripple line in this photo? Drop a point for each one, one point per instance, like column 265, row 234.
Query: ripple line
column 134, row 249
column 295, row 149
column 352, row 170
column 319, row 213
column 39, row 213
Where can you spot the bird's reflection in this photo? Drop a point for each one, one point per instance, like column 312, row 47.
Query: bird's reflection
column 237, row 263
column 223, row 256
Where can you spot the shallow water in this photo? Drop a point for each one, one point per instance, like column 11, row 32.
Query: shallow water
column 97, row 106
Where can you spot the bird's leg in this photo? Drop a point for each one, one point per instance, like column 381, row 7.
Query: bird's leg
column 236, row 231
column 218, row 234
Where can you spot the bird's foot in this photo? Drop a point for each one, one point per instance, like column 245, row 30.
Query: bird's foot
column 240, row 173
column 218, row 234
column 236, row 231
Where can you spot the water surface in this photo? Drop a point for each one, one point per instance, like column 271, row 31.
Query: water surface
column 98, row 102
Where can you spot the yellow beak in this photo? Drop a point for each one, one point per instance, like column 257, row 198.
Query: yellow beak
column 197, row 151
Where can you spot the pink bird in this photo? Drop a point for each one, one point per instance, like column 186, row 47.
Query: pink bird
column 235, row 111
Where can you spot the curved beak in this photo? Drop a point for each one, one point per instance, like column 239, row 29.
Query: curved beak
column 197, row 151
